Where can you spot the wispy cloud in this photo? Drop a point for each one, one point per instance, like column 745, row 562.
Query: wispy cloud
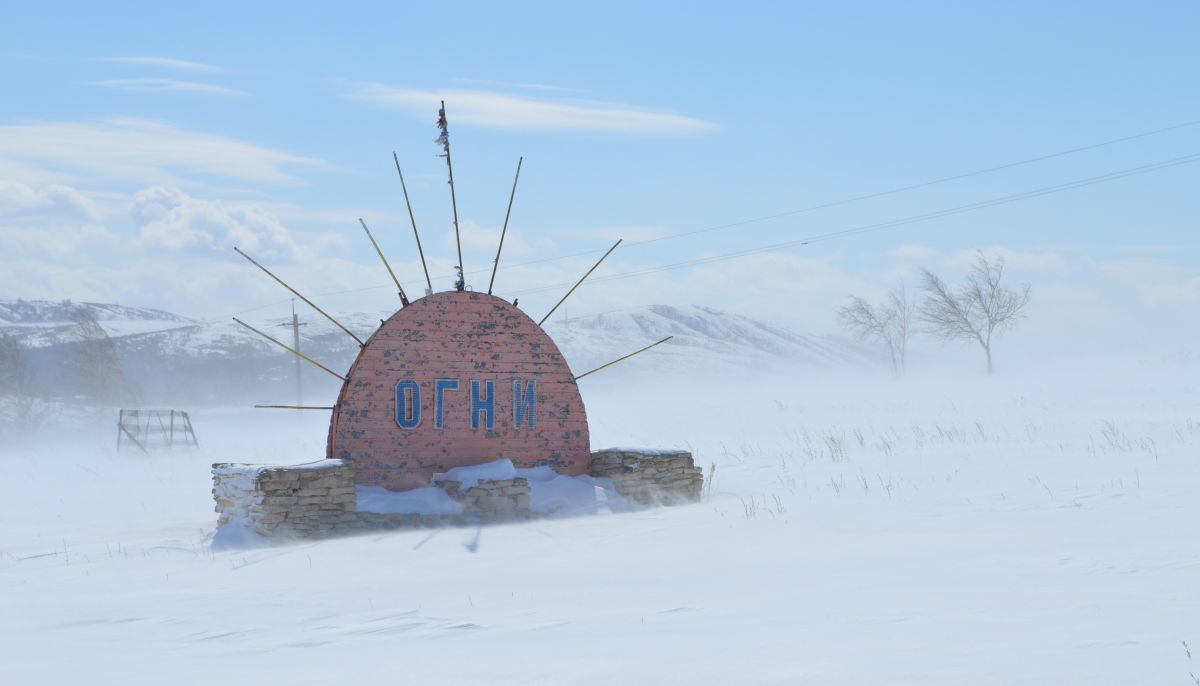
column 521, row 86
column 164, row 62
column 156, row 85
column 516, row 112
column 144, row 151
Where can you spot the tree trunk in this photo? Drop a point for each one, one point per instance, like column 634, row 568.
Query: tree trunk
column 988, row 350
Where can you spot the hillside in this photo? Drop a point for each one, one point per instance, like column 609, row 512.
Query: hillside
column 172, row 358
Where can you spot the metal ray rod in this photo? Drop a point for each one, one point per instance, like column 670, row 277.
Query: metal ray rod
column 496, row 264
column 621, row 359
column 453, row 203
column 291, row 407
column 403, row 297
column 293, row 351
column 552, row 309
column 297, row 294
column 413, row 219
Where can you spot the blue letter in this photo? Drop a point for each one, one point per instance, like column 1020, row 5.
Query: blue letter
column 524, row 404
column 408, row 410
column 485, row 405
column 439, row 393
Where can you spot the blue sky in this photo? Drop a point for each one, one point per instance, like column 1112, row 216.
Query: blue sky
column 138, row 143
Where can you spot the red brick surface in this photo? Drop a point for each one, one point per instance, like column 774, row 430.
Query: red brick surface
column 461, row 336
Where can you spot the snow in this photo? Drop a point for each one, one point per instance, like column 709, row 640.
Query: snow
column 570, row 496
column 550, row 493
column 498, row 470
column 425, row 501
column 1034, row 527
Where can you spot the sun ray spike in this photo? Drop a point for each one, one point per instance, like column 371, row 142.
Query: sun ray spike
column 589, row 272
column 622, row 359
column 413, row 219
column 503, row 231
column 293, row 351
column 444, row 140
column 403, row 297
column 298, row 295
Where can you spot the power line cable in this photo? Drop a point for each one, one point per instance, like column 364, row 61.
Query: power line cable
column 778, row 215
column 1038, row 192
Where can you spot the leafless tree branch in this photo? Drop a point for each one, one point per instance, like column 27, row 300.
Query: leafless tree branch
column 978, row 310
column 890, row 323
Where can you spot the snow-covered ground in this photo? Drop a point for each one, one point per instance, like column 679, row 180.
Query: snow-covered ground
column 1035, row 528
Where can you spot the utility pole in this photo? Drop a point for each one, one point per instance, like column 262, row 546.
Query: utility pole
column 296, row 324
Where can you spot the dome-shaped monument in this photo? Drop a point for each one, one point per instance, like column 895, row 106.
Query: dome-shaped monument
column 457, row 379
column 460, row 383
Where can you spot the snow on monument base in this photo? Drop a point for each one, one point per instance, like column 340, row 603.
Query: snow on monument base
column 320, row 499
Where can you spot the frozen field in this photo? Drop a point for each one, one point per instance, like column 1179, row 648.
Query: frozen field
column 1036, row 529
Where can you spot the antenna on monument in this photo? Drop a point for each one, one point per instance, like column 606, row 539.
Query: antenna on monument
column 428, row 281
column 403, row 297
column 496, row 264
column 589, row 272
column 298, row 295
column 291, row 350
column 623, row 358
column 444, row 141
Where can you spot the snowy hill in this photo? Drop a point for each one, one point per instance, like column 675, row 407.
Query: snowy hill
column 41, row 323
column 170, row 357
column 702, row 336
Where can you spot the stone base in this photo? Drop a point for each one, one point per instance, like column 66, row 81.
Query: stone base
column 650, row 477
column 318, row 499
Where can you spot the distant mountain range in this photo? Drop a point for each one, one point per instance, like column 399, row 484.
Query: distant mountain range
column 169, row 358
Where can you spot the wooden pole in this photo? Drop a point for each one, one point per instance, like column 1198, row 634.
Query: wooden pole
column 413, row 219
column 299, row 354
column 496, row 264
column 297, row 294
column 589, row 272
column 621, row 359
column 403, row 297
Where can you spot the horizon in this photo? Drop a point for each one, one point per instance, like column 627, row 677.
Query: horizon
column 135, row 164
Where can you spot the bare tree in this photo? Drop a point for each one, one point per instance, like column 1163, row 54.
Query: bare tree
column 97, row 362
column 889, row 322
column 20, row 409
column 978, row 310
column 15, row 375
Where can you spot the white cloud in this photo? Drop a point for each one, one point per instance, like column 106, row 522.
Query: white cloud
column 516, row 112
column 485, row 240
column 157, row 85
column 144, row 151
column 164, row 62
column 171, row 221
column 49, row 221
column 62, row 242
column 19, row 200
column 1043, row 261
column 913, row 252
column 1156, row 283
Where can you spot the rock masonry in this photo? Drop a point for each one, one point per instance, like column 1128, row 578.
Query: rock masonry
column 490, row 498
column 317, row 500
column 298, row 501
column 650, row 477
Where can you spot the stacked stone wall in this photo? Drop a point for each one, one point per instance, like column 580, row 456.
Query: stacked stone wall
column 318, row 499
column 300, row 501
column 491, row 498
column 650, row 476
